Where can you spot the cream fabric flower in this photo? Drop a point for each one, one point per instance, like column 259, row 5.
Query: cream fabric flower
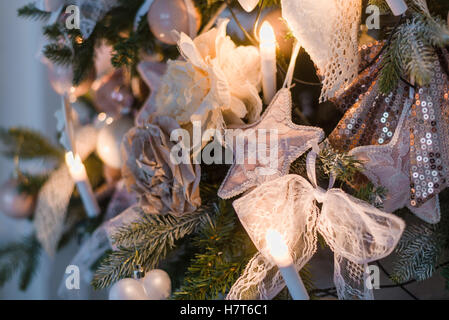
column 218, row 83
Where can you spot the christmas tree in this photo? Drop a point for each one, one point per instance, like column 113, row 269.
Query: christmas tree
column 209, row 149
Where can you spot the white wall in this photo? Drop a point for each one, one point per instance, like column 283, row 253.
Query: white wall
column 25, row 100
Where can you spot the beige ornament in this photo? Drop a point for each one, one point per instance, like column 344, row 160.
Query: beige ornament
column 162, row 186
column 217, row 84
column 54, row 196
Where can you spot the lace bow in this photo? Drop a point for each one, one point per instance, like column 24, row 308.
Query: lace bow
column 357, row 233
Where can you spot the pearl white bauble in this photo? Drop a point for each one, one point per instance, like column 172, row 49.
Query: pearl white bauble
column 157, row 284
column 15, row 204
column 165, row 16
column 109, row 141
column 61, row 78
column 128, row 289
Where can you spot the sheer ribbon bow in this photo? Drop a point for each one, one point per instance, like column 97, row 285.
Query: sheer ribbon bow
column 356, row 232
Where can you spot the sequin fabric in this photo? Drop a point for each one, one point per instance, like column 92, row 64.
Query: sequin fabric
column 429, row 136
column 371, row 118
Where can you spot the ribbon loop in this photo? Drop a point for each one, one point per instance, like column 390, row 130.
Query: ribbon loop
column 357, row 232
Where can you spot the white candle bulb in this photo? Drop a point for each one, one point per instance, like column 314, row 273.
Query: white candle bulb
column 76, row 167
column 268, row 61
column 280, row 253
column 79, row 175
column 278, row 249
column 397, row 6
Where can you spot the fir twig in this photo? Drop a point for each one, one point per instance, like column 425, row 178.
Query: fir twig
column 224, row 250
column 20, row 257
column 152, row 237
column 418, row 253
column 27, row 144
column 30, row 11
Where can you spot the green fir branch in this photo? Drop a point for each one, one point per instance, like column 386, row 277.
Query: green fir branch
column 23, row 258
column 27, row 144
column 224, row 250
column 418, row 252
column 152, row 237
column 30, row 11
column 411, row 52
column 58, row 53
column 127, row 50
column 344, row 166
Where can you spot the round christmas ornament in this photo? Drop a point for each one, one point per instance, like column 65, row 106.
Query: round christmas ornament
column 166, row 16
column 157, row 284
column 50, row 5
column 109, row 141
column 15, row 204
column 128, row 289
column 61, row 80
column 113, row 96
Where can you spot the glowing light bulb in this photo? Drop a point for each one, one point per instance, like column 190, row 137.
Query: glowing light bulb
column 266, row 34
column 76, row 167
column 278, row 248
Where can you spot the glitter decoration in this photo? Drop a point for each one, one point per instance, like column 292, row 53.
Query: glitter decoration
column 371, row 119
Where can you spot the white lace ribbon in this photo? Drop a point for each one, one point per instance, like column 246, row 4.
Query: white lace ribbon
column 357, row 232
column 55, row 195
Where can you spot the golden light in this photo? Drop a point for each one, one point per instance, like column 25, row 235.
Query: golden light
column 76, row 167
column 278, row 248
column 267, row 36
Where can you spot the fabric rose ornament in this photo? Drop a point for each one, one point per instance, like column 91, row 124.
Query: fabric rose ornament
column 162, row 186
column 217, row 84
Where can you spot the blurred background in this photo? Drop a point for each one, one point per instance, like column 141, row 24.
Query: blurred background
column 26, row 100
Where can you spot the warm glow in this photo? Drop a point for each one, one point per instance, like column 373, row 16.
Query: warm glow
column 109, row 120
column 267, row 36
column 76, row 167
column 278, row 248
column 102, row 116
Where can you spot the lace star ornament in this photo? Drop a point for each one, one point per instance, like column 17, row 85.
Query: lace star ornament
column 287, row 142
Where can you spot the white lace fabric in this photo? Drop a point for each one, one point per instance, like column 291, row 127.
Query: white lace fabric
column 328, row 31
column 54, row 197
column 357, row 232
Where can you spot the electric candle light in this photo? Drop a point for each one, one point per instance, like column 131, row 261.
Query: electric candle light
column 79, row 175
column 268, row 61
column 280, row 253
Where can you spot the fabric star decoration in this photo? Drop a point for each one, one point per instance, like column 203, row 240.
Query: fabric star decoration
column 151, row 72
column 286, row 143
column 372, row 119
column 389, row 166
